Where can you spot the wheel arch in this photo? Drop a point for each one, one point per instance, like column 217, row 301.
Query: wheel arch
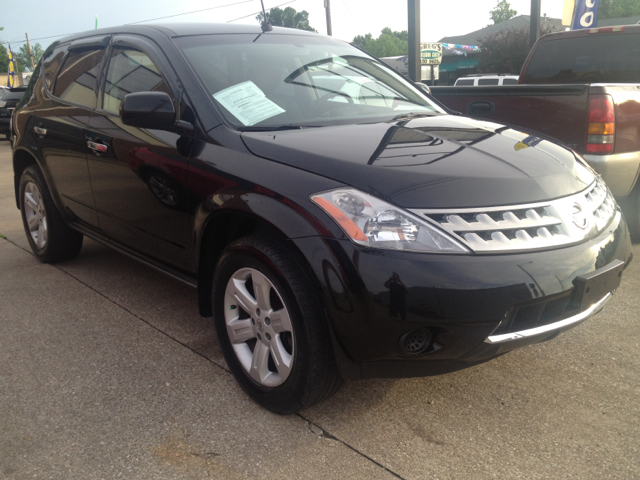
column 21, row 160
column 223, row 226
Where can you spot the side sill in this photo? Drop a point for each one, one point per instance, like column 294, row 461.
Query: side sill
column 175, row 274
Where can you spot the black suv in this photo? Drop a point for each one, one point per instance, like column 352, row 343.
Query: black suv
column 336, row 221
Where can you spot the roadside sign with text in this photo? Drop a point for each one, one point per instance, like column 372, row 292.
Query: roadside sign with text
column 430, row 53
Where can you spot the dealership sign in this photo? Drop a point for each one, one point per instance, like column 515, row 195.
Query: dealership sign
column 430, row 53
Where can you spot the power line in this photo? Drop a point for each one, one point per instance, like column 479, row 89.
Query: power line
column 189, row 13
column 153, row 19
column 256, row 13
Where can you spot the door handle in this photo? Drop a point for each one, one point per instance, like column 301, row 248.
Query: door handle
column 40, row 130
column 97, row 147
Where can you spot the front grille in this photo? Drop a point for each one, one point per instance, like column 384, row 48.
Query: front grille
column 528, row 227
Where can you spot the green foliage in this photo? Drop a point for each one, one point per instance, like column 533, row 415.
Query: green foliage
column 22, row 56
column 288, row 17
column 506, row 51
column 388, row 44
column 618, row 9
column 4, row 59
column 502, row 12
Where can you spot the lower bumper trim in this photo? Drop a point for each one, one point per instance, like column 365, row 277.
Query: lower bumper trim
column 532, row 332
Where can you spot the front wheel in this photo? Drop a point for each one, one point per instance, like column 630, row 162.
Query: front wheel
column 50, row 238
column 271, row 328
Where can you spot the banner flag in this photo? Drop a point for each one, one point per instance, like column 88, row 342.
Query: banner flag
column 585, row 14
column 11, row 77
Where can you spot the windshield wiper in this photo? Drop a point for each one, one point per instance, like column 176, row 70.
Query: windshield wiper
column 270, row 128
column 407, row 115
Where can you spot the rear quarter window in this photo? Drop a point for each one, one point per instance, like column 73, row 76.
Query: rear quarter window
column 606, row 58
column 464, row 82
column 509, row 81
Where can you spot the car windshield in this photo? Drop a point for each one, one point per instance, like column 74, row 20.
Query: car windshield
column 275, row 81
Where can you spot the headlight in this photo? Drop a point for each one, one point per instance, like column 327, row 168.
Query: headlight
column 2, row 104
column 371, row 222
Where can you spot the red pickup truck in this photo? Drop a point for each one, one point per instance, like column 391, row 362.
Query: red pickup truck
column 581, row 88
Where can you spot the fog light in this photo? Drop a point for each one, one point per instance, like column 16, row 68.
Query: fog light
column 415, row 342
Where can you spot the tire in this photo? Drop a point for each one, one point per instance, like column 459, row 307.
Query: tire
column 49, row 236
column 631, row 209
column 277, row 342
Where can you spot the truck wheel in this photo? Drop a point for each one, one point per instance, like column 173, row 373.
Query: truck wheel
column 631, row 209
column 49, row 236
column 271, row 327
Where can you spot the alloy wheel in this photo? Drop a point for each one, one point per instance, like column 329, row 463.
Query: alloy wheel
column 35, row 215
column 259, row 327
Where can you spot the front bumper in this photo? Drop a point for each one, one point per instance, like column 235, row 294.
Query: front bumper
column 460, row 300
column 619, row 171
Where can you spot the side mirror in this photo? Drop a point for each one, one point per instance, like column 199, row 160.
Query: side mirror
column 148, row 110
column 423, row 87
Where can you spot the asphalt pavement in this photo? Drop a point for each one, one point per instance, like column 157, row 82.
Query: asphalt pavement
column 107, row 371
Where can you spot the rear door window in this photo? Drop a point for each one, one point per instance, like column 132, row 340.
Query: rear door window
column 77, row 79
column 613, row 58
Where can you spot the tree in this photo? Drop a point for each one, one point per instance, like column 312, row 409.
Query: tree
column 502, row 12
column 288, row 17
column 22, row 56
column 506, row 51
column 388, row 44
column 618, row 9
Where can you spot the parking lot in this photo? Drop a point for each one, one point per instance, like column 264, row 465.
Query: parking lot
column 108, row 371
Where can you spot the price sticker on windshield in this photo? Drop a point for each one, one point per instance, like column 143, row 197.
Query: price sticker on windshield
column 248, row 103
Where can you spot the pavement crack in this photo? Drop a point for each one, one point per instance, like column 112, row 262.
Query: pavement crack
column 322, row 433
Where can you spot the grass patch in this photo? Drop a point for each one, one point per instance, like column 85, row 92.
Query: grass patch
column 3, row 237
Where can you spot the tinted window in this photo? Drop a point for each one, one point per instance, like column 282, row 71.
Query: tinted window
column 130, row 71
column 464, row 82
column 76, row 81
column 488, row 81
column 509, row 81
column 596, row 58
column 51, row 64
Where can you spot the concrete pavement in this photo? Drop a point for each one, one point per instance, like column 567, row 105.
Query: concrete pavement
column 107, row 371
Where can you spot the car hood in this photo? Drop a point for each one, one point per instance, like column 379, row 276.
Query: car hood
column 441, row 161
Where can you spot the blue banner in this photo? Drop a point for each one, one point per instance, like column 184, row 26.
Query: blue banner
column 11, row 74
column 585, row 14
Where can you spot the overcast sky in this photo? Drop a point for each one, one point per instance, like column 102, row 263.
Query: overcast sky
column 42, row 19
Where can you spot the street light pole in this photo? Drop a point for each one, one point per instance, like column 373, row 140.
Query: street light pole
column 534, row 25
column 414, row 39
column 327, row 6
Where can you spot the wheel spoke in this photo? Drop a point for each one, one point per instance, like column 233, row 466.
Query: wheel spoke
column 260, row 362
column 261, row 288
column 281, row 358
column 280, row 321
column 30, row 201
column 34, row 223
column 240, row 331
column 40, row 240
column 238, row 290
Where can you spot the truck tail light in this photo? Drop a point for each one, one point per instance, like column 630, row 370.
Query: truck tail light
column 602, row 127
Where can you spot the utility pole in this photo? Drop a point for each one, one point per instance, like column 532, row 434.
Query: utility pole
column 534, row 25
column 327, row 5
column 33, row 66
column 414, row 39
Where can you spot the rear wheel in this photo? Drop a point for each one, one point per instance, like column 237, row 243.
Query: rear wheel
column 49, row 236
column 271, row 328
